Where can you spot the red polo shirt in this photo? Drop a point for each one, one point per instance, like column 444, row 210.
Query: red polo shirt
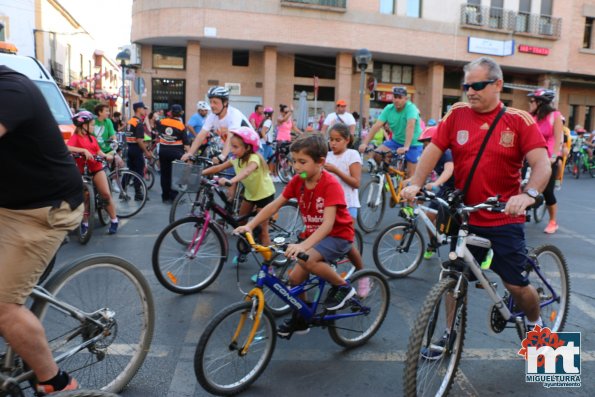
column 462, row 130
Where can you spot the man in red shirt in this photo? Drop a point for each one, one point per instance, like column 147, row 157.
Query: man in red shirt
column 514, row 138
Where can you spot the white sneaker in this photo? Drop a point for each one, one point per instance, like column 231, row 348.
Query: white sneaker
column 115, row 187
column 275, row 179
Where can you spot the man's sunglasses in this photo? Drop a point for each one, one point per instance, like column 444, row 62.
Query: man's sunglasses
column 478, row 86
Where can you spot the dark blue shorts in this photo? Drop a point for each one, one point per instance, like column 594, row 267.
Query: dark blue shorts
column 332, row 248
column 510, row 252
column 412, row 155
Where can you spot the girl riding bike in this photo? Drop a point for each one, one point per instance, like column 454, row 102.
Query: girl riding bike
column 83, row 141
column 251, row 169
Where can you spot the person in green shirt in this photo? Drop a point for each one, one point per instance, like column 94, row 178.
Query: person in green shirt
column 105, row 132
column 403, row 119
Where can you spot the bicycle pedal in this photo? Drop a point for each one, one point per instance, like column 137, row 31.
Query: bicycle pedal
column 478, row 285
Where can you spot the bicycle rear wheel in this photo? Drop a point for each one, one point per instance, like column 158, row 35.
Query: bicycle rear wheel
column 190, row 265
column 84, row 393
column 370, row 213
column 184, row 205
column 373, row 299
column 149, row 176
column 84, row 233
column 398, row 250
column 115, row 294
column 554, row 269
column 130, row 195
column 433, row 355
column 287, row 222
column 218, row 366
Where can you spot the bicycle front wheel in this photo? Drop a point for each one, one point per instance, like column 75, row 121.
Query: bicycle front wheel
column 371, row 198
column 554, row 273
column 436, row 341
column 284, row 169
column 372, row 301
column 129, row 192
column 398, row 250
column 218, row 366
column 114, row 293
column 186, row 260
column 539, row 212
column 149, row 177
column 84, row 393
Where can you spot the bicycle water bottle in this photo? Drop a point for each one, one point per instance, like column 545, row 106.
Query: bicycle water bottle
column 487, row 262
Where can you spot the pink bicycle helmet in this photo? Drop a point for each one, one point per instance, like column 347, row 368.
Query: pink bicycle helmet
column 268, row 109
column 249, row 137
column 428, row 134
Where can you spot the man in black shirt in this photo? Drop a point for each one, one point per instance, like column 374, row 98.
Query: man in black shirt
column 40, row 201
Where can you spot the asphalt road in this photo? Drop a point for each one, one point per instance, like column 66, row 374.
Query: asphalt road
column 314, row 365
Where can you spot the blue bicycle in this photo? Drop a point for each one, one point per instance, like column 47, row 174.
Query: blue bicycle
column 238, row 343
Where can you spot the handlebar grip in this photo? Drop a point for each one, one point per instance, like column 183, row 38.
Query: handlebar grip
column 303, row 256
column 228, row 183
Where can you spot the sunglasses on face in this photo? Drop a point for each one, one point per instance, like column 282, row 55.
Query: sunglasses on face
column 477, row 86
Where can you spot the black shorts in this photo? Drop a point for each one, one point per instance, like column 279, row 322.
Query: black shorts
column 510, row 253
column 263, row 202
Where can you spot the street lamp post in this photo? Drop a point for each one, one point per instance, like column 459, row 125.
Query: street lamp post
column 362, row 57
column 123, row 57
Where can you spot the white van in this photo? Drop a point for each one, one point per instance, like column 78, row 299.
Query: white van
column 31, row 68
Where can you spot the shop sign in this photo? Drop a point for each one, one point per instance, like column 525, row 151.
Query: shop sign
column 530, row 49
column 499, row 48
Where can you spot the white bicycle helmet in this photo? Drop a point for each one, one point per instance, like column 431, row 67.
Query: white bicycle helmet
column 202, row 105
column 218, row 92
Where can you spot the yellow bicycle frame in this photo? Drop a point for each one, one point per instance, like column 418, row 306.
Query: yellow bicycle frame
column 255, row 293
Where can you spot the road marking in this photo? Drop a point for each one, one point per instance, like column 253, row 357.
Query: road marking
column 465, row 385
column 576, row 235
column 182, row 383
column 399, row 355
column 582, row 306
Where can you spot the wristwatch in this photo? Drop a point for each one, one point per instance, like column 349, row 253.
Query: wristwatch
column 533, row 193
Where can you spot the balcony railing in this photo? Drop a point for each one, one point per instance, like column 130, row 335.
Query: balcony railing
column 333, row 5
column 510, row 21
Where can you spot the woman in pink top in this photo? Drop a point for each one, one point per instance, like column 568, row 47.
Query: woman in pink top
column 285, row 124
column 549, row 121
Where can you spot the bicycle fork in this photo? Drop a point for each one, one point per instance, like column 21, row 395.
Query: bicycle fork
column 256, row 314
column 199, row 235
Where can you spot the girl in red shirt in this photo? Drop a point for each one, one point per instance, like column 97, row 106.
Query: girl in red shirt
column 83, row 141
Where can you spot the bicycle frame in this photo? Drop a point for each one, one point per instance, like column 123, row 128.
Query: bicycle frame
column 462, row 251
column 395, row 191
column 40, row 294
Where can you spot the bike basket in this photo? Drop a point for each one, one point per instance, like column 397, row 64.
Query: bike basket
column 185, row 177
column 446, row 222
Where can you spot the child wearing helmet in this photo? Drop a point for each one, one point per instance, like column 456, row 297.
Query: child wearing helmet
column 83, row 141
column 442, row 186
column 251, row 169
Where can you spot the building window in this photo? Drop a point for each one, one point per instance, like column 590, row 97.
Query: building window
column 2, row 32
column 169, row 57
column 324, row 93
column 546, row 7
column 496, row 13
column 391, row 73
column 522, row 18
column 310, row 66
column 414, row 8
column 572, row 115
column 589, row 117
column 387, row 6
column 168, row 92
column 588, row 36
column 240, row 58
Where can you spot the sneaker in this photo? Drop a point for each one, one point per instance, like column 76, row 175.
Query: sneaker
column 294, row 325
column 551, row 228
column 558, row 185
column 363, row 287
column 275, row 179
column 436, row 349
column 84, row 228
column 138, row 198
column 113, row 228
column 428, row 254
column 337, row 296
column 43, row 389
column 115, row 187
